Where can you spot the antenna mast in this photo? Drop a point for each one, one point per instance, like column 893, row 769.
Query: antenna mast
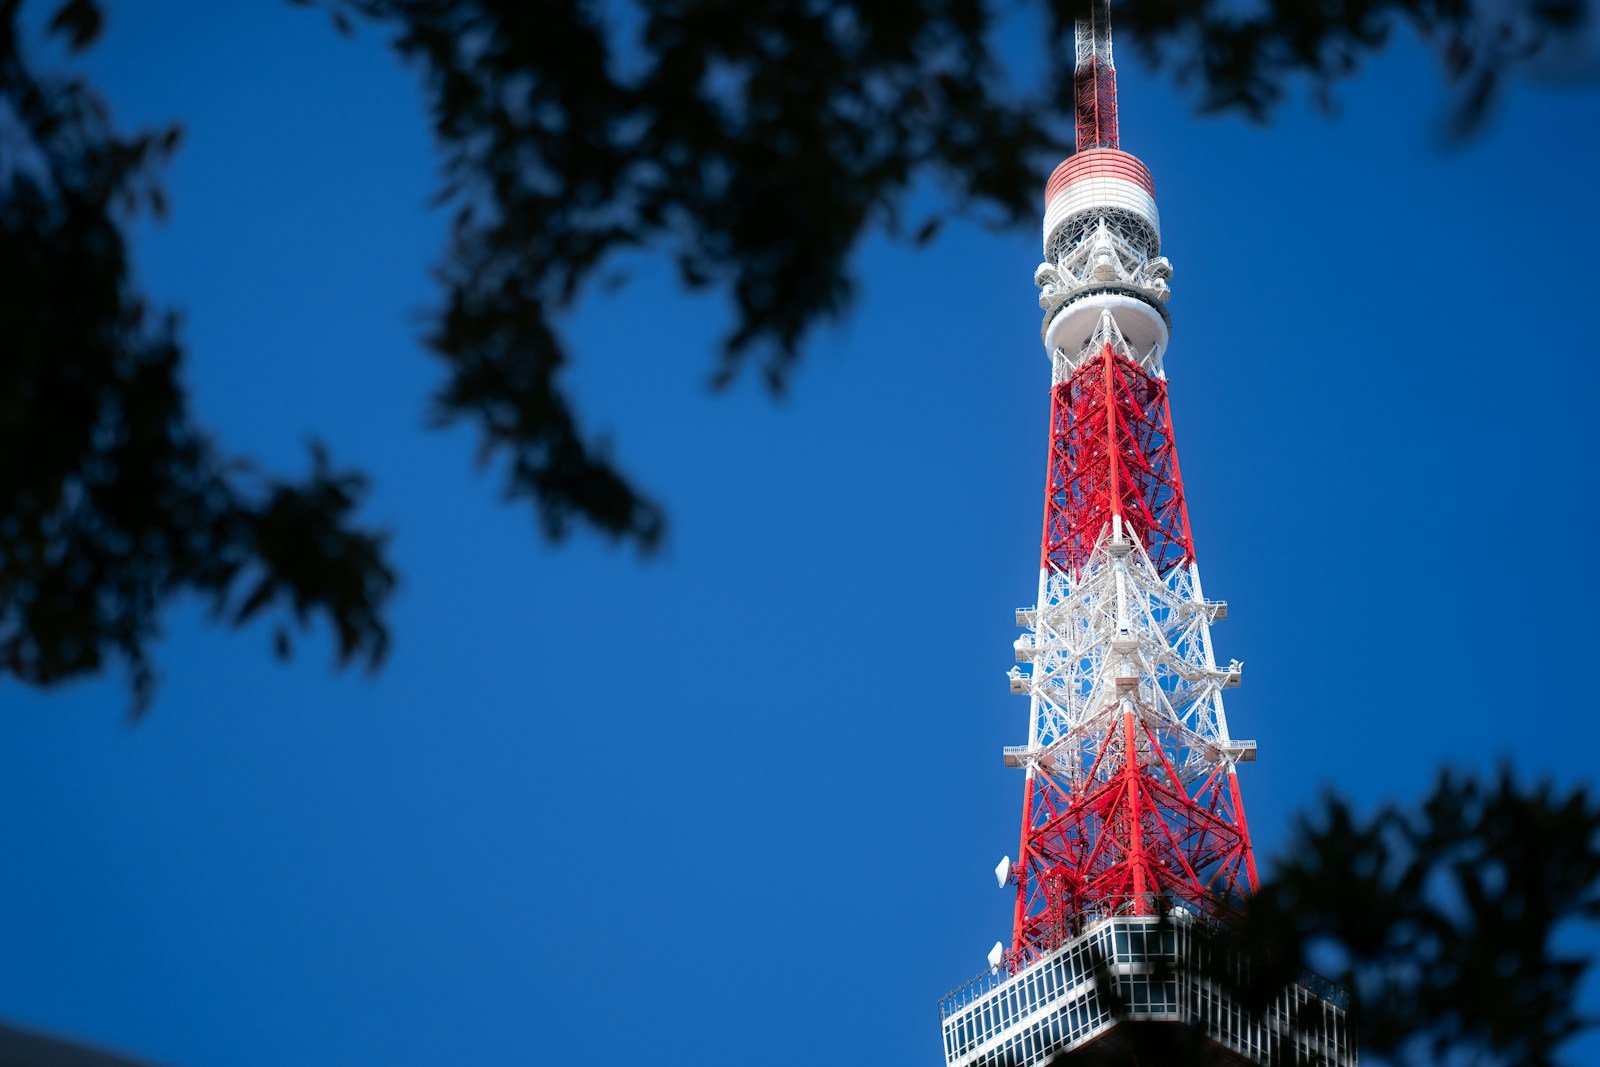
column 1095, row 79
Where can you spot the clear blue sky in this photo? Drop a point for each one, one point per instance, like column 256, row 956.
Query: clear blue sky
column 750, row 793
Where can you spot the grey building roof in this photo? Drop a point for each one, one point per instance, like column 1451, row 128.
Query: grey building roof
column 25, row 1048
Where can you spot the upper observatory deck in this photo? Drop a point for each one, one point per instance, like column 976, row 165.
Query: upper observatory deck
column 1099, row 181
column 1102, row 253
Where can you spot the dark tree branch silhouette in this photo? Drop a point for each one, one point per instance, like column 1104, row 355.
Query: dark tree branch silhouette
column 112, row 501
column 753, row 145
column 1446, row 922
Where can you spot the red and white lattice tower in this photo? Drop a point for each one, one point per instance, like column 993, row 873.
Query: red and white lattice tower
column 1131, row 797
column 1131, row 806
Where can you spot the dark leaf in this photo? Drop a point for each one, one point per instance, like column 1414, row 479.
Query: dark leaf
column 80, row 21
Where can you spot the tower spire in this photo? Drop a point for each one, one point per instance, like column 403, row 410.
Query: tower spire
column 1095, row 79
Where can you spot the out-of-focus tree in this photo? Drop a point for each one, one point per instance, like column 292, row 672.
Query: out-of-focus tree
column 753, row 145
column 112, row 500
column 1450, row 923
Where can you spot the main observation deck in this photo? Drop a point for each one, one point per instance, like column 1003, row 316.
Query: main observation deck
column 1058, row 1005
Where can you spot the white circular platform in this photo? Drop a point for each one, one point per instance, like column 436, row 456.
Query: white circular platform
column 1141, row 325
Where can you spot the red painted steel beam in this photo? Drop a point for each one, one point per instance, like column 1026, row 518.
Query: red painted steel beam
column 1095, row 99
column 1112, row 452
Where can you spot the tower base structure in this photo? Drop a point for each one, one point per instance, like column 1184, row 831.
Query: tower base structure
column 1082, row 1003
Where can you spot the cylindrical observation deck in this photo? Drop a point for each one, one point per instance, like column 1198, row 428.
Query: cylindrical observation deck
column 1111, row 187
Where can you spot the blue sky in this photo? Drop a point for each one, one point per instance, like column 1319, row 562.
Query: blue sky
column 750, row 791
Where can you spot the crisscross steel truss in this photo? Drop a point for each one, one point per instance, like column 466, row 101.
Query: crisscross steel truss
column 1095, row 80
column 1112, row 451
column 1131, row 802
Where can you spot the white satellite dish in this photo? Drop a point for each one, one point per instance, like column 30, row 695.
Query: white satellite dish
column 997, row 954
column 1002, row 871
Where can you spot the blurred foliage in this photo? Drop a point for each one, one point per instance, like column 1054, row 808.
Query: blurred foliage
column 1451, row 925
column 112, row 501
column 1445, row 922
column 751, row 144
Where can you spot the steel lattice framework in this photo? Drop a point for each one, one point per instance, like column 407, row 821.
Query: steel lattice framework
column 1112, row 453
column 1094, row 79
column 1131, row 801
column 1134, row 841
column 1131, row 797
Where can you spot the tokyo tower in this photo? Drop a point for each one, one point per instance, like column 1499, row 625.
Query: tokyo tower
column 1134, row 839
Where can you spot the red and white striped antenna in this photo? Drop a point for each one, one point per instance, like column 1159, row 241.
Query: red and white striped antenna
column 1095, row 79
